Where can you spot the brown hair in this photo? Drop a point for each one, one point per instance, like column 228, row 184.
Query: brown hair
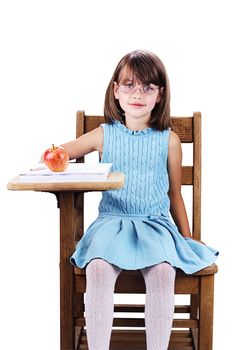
column 146, row 68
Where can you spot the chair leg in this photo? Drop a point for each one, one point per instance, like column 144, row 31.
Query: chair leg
column 206, row 312
column 79, row 313
column 194, row 306
column 194, row 312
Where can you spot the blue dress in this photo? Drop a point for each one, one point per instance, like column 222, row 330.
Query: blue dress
column 134, row 228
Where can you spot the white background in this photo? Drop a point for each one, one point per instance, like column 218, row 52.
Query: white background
column 58, row 57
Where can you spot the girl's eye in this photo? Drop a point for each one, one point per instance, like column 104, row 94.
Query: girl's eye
column 128, row 86
column 148, row 88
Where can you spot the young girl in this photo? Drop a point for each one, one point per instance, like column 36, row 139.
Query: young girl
column 134, row 230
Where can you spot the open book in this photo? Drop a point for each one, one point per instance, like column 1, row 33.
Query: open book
column 74, row 172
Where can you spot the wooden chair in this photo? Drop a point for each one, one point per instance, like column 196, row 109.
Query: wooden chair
column 191, row 332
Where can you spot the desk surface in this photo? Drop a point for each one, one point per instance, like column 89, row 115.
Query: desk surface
column 114, row 181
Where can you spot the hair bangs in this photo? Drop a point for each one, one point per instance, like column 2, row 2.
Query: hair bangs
column 142, row 69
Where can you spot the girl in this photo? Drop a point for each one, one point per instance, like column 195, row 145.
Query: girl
column 134, row 230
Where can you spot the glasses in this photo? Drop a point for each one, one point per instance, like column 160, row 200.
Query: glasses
column 144, row 89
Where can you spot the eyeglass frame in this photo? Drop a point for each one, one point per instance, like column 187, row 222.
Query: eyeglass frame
column 140, row 87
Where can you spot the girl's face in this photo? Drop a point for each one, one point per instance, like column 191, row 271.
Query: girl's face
column 136, row 99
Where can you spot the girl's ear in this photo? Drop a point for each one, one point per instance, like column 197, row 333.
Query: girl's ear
column 160, row 95
column 115, row 90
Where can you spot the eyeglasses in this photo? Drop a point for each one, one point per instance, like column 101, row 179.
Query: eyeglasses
column 144, row 89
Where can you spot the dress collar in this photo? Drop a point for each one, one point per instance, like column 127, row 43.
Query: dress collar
column 128, row 131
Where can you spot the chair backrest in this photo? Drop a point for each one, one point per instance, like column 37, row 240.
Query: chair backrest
column 189, row 131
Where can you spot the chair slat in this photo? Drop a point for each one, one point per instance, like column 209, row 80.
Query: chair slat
column 187, row 175
column 181, row 309
column 136, row 339
column 182, row 126
column 92, row 122
column 140, row 322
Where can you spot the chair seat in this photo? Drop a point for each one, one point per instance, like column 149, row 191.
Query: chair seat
column 210, row 270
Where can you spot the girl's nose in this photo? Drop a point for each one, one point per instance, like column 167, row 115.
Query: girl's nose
column 137, row 92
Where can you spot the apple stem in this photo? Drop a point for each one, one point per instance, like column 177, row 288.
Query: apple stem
column 53, row 145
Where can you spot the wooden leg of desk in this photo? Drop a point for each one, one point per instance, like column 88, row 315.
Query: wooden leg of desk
column 68, row 215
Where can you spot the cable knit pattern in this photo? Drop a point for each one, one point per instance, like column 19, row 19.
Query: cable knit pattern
column 142, row 157
column 134, row 229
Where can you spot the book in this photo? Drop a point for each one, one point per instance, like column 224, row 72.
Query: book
column 74, row 172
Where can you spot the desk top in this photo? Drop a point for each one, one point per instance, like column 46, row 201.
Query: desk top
column 114, row 181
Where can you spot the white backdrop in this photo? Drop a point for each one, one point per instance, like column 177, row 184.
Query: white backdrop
column 57, row 57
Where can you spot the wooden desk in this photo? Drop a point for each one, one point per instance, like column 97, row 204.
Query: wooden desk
column 70, row 202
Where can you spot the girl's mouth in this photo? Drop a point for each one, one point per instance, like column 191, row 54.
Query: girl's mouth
column 136, row 105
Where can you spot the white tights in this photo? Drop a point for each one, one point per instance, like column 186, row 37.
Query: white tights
column 99, row 304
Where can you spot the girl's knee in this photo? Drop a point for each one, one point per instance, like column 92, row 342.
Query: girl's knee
column 162, row 271
column 101, row 269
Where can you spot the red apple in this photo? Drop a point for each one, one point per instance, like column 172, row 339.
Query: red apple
column 56, row 158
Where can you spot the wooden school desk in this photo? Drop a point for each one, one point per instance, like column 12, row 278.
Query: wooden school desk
column 70, row 199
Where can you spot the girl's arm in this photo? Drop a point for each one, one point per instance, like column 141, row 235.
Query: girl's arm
column 91, row 141
column 177, row 208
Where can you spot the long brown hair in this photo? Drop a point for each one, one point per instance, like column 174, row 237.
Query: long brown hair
column 146, row 68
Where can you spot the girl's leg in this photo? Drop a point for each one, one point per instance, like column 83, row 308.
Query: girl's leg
column 99, row 303
column 159, row 308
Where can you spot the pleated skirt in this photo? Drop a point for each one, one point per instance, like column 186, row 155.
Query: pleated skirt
column 133, row 242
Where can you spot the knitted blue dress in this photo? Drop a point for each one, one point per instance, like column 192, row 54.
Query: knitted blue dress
column 134, row 228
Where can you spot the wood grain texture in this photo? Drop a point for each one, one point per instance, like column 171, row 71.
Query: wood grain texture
column 68, row 217
column 136, row 340
column 113, row 181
